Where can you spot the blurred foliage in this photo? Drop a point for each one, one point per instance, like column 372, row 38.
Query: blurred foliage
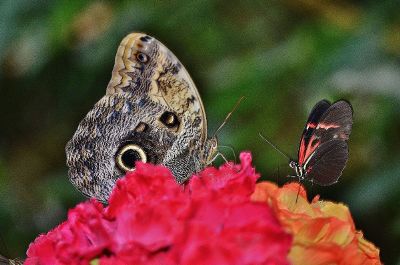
column 56, row 59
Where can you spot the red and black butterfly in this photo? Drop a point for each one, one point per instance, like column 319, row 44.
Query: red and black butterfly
column 323, row 151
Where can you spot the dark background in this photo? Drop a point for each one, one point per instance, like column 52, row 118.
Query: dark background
column 56, row 59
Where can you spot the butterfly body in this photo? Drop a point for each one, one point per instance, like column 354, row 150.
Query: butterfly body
column 323, row 150
column 151, row 112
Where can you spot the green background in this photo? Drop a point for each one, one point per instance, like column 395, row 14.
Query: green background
column 56, row 59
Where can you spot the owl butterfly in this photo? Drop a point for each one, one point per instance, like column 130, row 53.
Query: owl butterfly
column 151, row 112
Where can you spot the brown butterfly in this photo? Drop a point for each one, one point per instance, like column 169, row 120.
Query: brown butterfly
column 151, row 112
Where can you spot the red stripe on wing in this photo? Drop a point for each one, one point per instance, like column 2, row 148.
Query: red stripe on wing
column 306, row 151
column 327, row 126
column 305, row 140
column 308, row 146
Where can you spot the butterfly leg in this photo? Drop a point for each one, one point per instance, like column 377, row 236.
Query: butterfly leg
column 215, row 157
column 298, row 191
column 231, row 149
column 300, row 179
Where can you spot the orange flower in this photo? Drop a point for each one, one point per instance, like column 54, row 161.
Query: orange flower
column 323, row 231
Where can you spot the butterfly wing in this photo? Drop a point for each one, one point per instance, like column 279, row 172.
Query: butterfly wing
column 152, row 112
column 162, row 79
column 326, row 152
column 336, row 122
column 316, row 113
column 327, row 162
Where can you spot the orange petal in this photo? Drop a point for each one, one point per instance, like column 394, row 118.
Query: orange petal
column 323, row 231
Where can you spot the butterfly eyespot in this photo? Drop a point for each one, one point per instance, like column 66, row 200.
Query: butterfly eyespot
column 169, row 119
column 128, row 155
column 141, row 57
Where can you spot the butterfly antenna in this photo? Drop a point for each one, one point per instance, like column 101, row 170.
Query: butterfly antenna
column 228, row 116
column 275, row 147
column 230, row 148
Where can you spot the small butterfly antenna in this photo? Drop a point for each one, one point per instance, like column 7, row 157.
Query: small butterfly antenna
column 230, row 148
column 275, row 147
column 228, row 116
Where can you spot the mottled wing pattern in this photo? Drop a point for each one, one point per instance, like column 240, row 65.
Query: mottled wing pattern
column 5, row 261
column 163, row 79
column 151, row 105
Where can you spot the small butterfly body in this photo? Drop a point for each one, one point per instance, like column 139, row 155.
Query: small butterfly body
column 323, row 150
column 151, row 112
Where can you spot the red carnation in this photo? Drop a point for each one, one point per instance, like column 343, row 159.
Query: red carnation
column 152, row 220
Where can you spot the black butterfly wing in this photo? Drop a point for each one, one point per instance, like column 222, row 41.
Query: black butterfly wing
column 336, row 123
column 327, row 153
column 316, row 113
column 326, row 164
